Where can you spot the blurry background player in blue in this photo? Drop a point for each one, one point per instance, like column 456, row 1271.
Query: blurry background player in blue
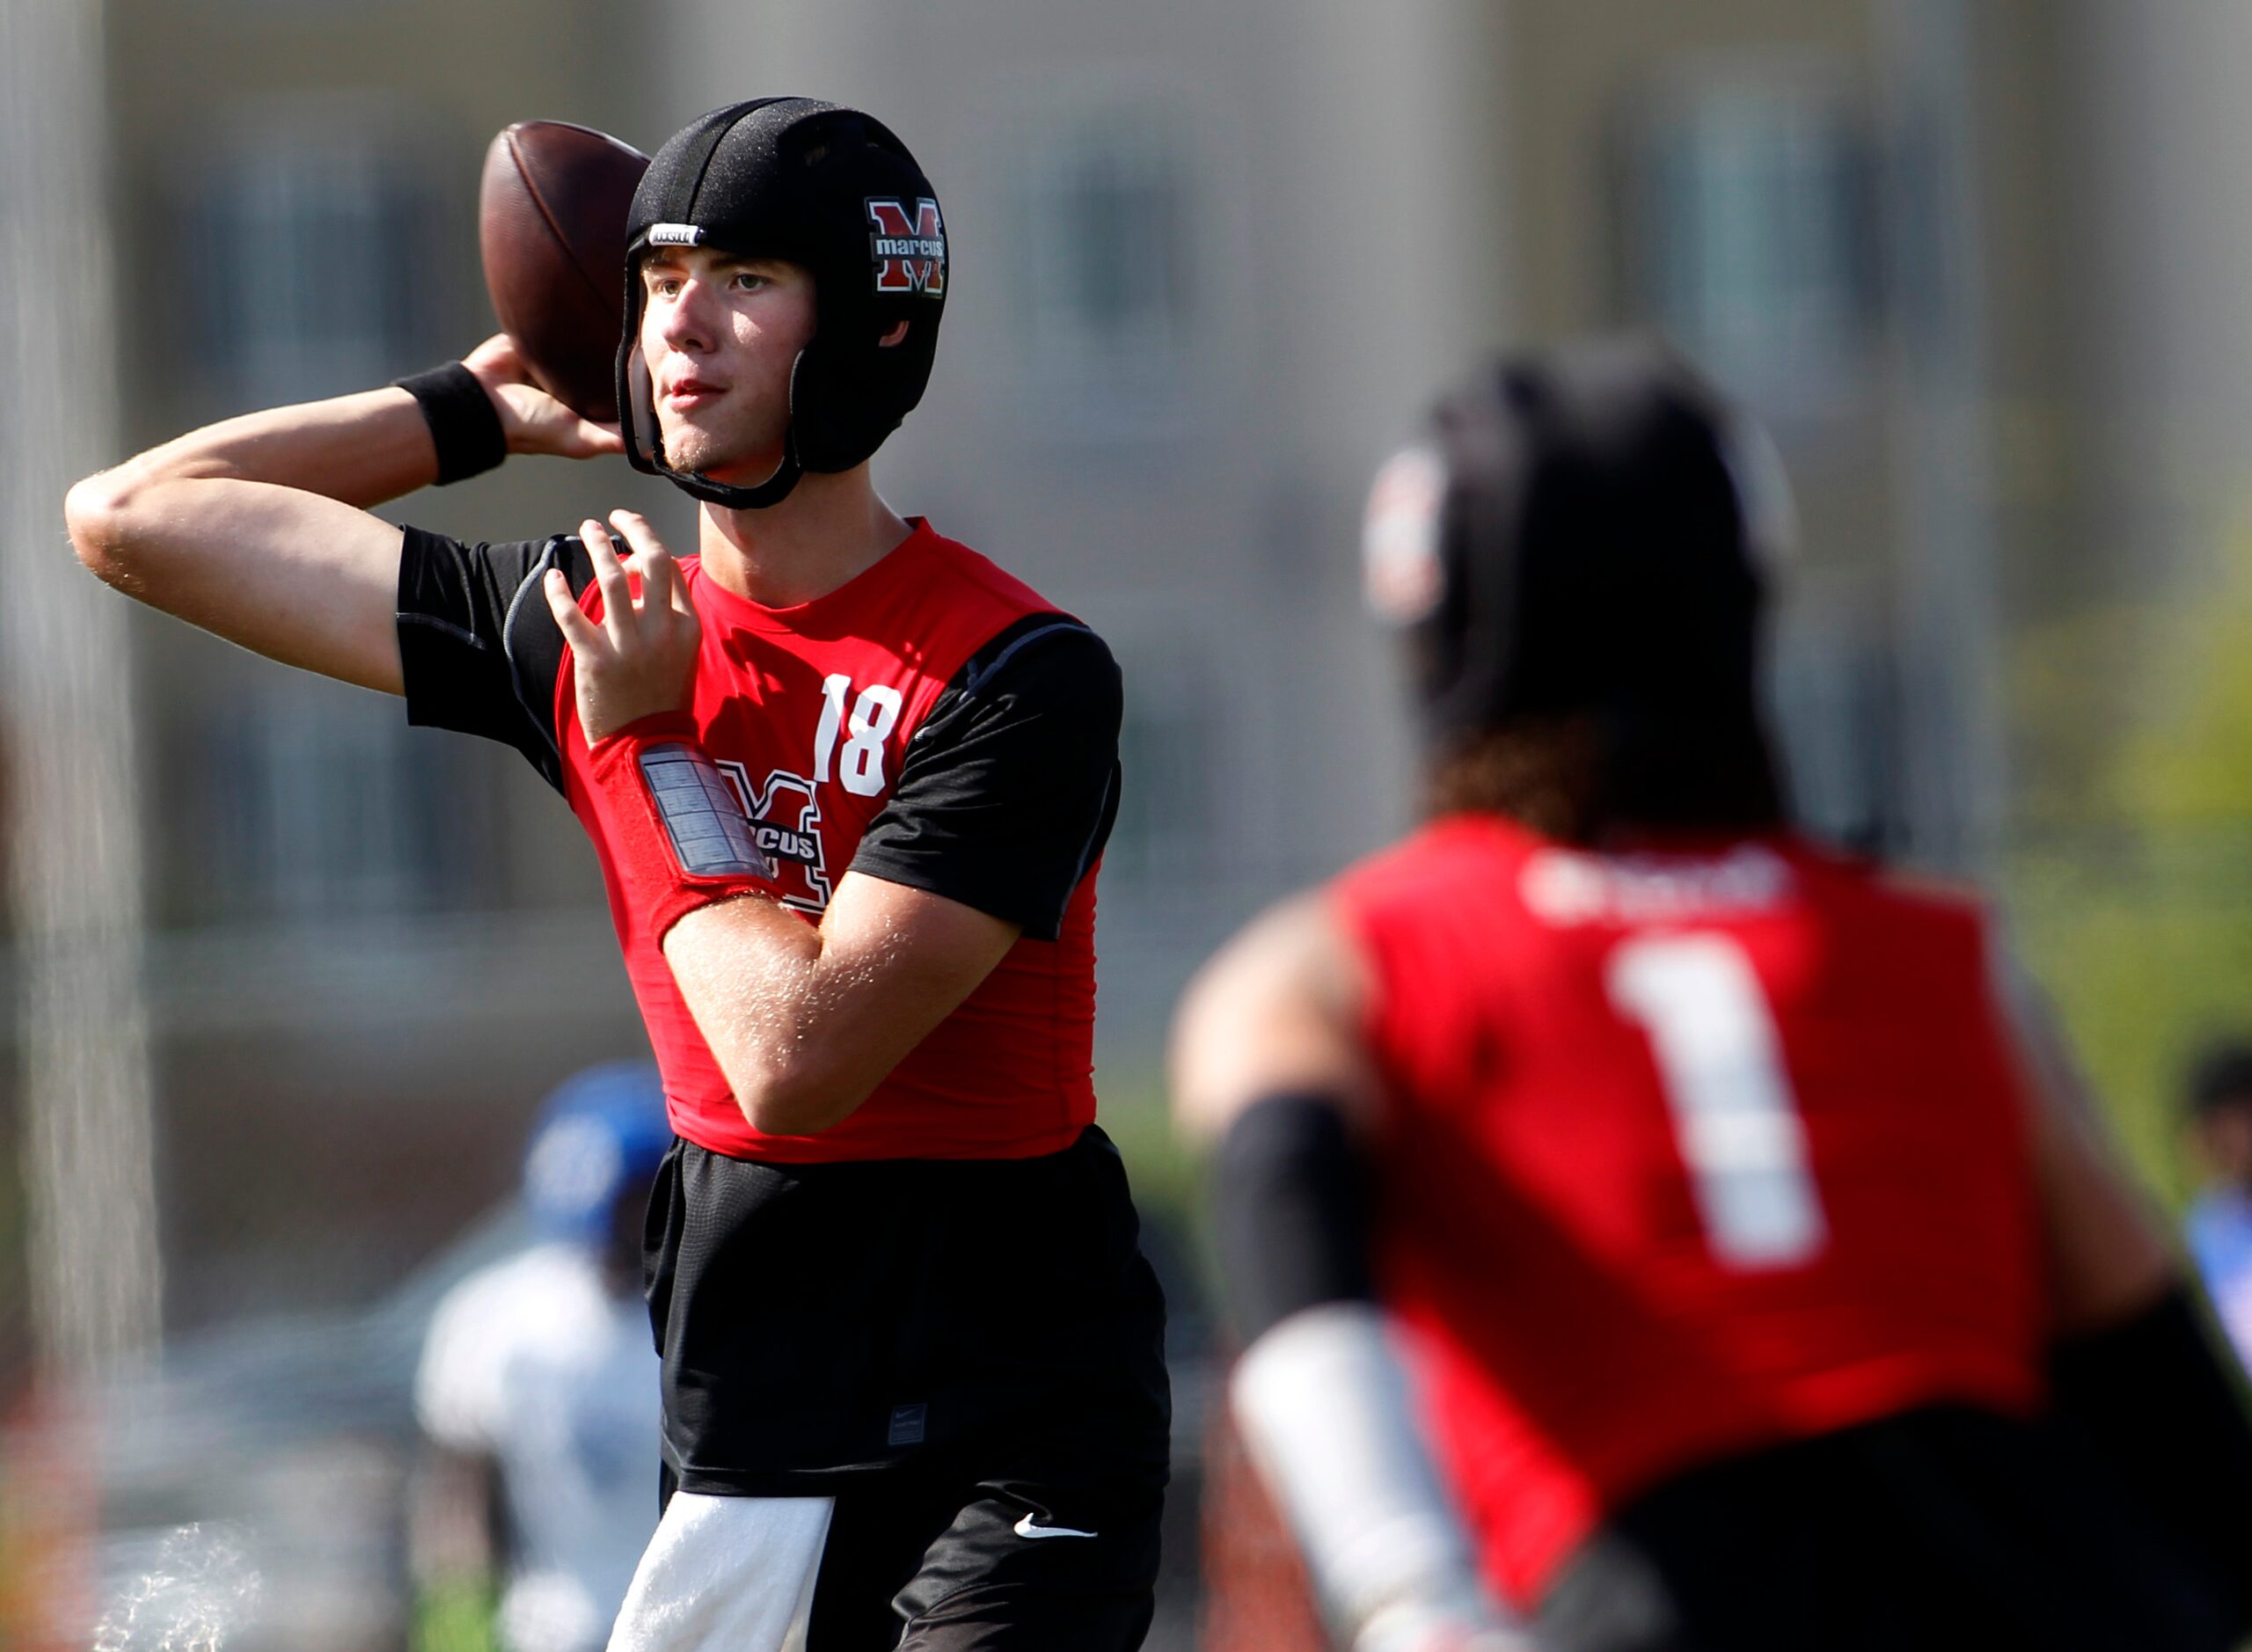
column 539, row 1388
column 2220, row 1223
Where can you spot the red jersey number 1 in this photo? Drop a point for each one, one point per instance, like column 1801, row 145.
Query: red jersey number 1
column 1735, row 1119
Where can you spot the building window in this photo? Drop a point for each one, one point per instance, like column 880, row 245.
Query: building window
column 1109, row 263
column 1836, row 714
column 1168, row 810
column 317, row 802
column 314, row 274
column 1749, row 237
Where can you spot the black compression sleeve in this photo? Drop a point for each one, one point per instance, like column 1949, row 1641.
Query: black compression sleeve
column 1292, row 1196
column 2164, row 1410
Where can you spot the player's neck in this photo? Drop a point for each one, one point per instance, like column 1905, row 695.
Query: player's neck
column 831, row 528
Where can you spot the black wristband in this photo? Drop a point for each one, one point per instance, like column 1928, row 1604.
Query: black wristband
column 464, row 426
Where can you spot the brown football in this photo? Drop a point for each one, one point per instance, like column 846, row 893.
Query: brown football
column 550, row 216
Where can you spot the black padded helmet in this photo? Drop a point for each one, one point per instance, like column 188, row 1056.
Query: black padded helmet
column 827, row 187
column 1584, row 530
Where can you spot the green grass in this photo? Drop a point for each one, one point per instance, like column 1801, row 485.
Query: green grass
column 456, row 1618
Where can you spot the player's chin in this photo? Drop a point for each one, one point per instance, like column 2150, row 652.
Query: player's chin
column 733, row 466
column 724, row 456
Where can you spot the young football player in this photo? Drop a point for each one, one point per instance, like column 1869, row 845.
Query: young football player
column 848, row 782
column 1654, row 1231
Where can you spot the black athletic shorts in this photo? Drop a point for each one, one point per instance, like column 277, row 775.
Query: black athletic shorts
column 1940, row 1530
column 822, row 1322
column 929, row 1558
column 969, row 1356
column 979, row 1549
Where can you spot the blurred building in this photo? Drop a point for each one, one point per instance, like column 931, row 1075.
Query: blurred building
column 1209, row 264
column 374, row 948
column 1203, row 270
column 1983, row 270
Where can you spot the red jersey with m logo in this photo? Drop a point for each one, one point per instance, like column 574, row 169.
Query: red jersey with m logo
column 936, row 723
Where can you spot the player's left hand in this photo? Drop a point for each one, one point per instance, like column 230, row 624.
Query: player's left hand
column 640, row 660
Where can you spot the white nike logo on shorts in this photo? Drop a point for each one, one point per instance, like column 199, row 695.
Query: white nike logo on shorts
column 1026, row 1529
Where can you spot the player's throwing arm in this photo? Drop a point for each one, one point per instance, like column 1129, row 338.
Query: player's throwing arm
column 258, row 528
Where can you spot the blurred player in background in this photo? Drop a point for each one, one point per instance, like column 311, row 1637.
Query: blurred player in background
column 1761, row 1280
column 848, row 782
column 538, row 1388
column 2218, row 1226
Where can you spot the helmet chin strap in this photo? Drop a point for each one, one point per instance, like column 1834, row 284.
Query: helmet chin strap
column 772, row 491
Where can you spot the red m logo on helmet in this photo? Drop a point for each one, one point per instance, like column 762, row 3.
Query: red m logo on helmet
column 910, row 253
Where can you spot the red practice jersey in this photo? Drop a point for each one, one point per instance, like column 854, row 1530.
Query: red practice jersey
column 933, row 722
column 809, row 712
column 1687, row 1154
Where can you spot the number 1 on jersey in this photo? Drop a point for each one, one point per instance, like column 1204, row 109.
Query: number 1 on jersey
column 1713, row 1036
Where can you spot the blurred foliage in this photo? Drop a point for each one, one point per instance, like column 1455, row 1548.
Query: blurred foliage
column 1167, row 1177
column 1164, row 1171
column 2129, row 871
column 458, row 1618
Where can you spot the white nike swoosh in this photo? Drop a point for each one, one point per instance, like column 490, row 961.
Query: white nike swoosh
column 1026, row 1529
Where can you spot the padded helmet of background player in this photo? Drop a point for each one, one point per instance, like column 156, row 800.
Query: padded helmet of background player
column 600, row 1137
column 1585, row 531
column 831, row 189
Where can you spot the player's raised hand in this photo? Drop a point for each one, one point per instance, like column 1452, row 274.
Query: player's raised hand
column 533, row 420
column 641, row 659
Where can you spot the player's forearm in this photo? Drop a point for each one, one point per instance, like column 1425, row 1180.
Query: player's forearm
column 2108, row 1260
column 363, row 449
column 769, row 994
column 806, row 1023
column 1321, row 1396
column 775, row 1008
column 1323, row 1401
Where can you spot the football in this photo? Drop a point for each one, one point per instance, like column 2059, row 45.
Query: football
column 551, row 212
